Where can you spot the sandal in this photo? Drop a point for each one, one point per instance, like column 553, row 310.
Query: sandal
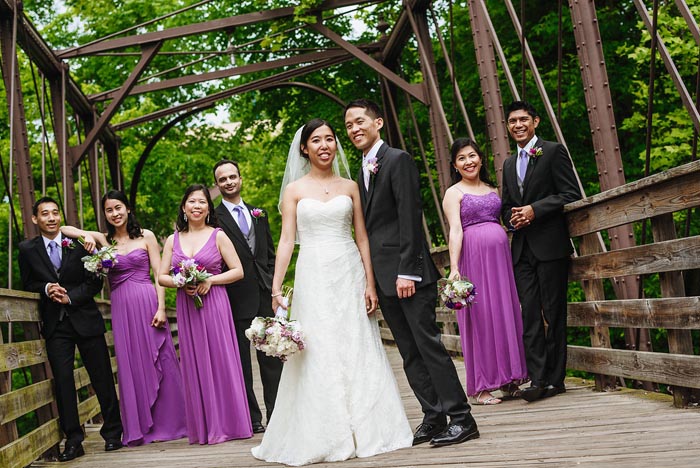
column 511, row 390
column 490, row 400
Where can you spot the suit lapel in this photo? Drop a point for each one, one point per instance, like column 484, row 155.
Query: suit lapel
column 226, row 220
column 511, row 172
column 373, row 177
column 532, row 164
column 254, row 224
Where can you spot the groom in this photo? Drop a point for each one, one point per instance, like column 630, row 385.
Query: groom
column 406, row 277
column 251, row 296
column 70, row 318
column 537, row 182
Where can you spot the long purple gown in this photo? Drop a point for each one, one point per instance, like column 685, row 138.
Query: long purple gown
column 491, row 330
column 215, row 397
column 150, row 383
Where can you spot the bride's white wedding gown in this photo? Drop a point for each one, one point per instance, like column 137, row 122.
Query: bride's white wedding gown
column 337, row 398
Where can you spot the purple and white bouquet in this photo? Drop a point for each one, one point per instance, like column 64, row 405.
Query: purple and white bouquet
column 277, row 336
column 189, row 272
column 456, row 293
column 100, row 261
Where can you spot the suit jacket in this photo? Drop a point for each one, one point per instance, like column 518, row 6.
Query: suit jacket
column 394, row 220
column 550, row 183
column 258, row 266
column 37, row 270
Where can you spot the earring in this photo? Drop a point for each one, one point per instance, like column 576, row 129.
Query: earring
column 184, row 215
column 207, row 219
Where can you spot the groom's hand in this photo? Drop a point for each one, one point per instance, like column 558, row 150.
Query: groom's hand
column 405, row 288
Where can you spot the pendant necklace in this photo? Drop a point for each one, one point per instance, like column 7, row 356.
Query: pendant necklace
column 324, row 187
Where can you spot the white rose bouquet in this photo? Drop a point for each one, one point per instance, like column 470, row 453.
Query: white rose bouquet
column 277, row 336
column 456, row 293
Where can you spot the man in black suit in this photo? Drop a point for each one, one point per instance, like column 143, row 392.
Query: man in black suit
column 70, row 318
column 406, row 277
column 249, row 230
column 538, row 180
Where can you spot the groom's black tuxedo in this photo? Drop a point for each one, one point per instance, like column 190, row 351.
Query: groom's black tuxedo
column 393, row 216
column 541, row 256
column 250, row 297
column 67, row 326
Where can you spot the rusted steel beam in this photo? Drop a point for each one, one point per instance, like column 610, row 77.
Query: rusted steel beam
column 219, row 74
column 485, row 21
column 298, row 84
column 149, row 53
column 252, row 86
column 401, row 31
column 490, row 87
column 686, row 99
column 199, row 28
column 20, row 143
column 414, row 90
column 689, row 19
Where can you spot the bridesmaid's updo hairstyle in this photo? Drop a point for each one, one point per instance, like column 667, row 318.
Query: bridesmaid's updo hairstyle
column 463, row 143
column 181, row 225
column 133, row 228
column 308, row 129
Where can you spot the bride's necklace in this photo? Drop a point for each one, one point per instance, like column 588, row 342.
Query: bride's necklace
column 324, row 187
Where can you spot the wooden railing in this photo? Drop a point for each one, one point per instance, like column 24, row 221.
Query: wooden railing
column 19, row 315
column 655, row 198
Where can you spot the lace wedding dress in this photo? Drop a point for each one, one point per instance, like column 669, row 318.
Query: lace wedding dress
column 337, row 398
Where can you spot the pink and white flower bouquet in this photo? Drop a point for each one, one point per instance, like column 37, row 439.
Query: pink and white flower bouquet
column 189, row 272
column 277, row 336
column 456, row 293
column 100, row 261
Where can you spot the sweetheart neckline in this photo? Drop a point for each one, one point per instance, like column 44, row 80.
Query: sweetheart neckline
column 326, row 201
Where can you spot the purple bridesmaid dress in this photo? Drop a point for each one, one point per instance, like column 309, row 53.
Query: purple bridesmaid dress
column 215, row 397
column 491, row 330
column 150, row 383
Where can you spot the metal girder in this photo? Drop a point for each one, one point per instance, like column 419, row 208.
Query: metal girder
column 490, row 88
column 149, row 53
column 670, row 67
column 199, row 28
column 219, row 74
column 252, row 86
column 414, row 90
column 402, row 31
column 689, row 19
column 20, row 143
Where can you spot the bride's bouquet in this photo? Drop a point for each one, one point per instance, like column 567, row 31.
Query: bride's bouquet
column 100, row 261
column 456, row 293
column 277, row 336
column 189, row 272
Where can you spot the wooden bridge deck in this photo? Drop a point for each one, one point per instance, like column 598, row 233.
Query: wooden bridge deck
column 580, row 427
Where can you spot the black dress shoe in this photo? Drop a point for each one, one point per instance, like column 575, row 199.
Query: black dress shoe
column 552, row 390
column 455, row 434
column 425, row 432
column 533, row 393
column 71, row 452
column 113, row 445
column 258, row 428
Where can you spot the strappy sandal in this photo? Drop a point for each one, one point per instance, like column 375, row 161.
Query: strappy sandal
column 491, row 400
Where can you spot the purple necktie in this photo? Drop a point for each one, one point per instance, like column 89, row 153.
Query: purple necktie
column 53, row 255
column 522, row 164
column 242, row 223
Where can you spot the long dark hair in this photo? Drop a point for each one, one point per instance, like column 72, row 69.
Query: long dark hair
column 211, row 220
column 463, row 143
column 308, row 129
column 133, row 228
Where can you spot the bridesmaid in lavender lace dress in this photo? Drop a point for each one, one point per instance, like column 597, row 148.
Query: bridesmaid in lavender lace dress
column 150, row 383
column 215, row 396
column 491, row 330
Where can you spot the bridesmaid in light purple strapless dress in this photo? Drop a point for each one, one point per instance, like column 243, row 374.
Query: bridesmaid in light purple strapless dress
column 215, row 397
column 150, row 383
column 491, row 330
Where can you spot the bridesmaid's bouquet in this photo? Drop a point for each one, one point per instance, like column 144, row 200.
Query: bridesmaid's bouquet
column 456, row 293
column 100, row 261
column 277, row 336
column 189, row 272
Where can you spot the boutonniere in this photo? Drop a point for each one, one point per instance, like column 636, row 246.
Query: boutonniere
column 536, row 152
column 67, row 243
column 257, row 213
column 371, row 165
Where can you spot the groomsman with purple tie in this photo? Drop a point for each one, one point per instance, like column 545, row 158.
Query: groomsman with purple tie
column 249, row 230
column 538, row 180
column 53, row 268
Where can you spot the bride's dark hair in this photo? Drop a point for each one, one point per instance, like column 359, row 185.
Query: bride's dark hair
column 309, row 128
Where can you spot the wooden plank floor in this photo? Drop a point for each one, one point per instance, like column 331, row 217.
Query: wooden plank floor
column 580, row 427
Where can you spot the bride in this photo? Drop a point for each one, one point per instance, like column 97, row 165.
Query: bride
column 338, row 398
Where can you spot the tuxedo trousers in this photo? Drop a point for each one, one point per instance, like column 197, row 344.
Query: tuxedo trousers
column 60, row 348
column 429, row 369
column 542, row 290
